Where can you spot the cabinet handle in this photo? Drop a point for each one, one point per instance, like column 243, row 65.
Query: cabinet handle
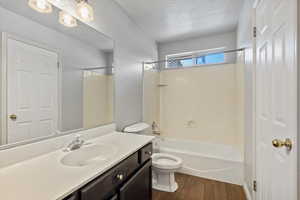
column 148, row 153
column 120, row 177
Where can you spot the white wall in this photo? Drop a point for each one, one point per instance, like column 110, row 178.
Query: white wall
column 244, row 29
column 132, row 47
column 227, row 40
column 74, row 55
column 244, row 39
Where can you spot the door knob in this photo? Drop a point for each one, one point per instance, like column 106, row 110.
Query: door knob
column 13, row 117
column 279, row 143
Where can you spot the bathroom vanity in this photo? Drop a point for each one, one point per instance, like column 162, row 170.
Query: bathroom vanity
column 128, row 180
column 124, row 173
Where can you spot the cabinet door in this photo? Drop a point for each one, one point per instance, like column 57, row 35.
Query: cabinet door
column 139, row 186
column 72, row 197
column 108, row 184
column 100, row 189
column 145, row 153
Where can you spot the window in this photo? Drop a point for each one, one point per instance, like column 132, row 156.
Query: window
column 184, row 62
column 211, row 59
column 195, row 59
column 215, row 58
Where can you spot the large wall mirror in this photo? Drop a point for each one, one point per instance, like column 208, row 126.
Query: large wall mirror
column 54, row 79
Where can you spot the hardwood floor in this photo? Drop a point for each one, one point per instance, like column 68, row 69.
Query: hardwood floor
column 194, row 188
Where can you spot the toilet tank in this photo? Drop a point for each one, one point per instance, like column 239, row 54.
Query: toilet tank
column 136, row 128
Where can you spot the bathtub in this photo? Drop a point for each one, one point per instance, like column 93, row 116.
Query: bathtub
column 211, row 161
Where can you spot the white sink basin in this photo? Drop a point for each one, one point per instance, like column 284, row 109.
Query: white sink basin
column 88, row 155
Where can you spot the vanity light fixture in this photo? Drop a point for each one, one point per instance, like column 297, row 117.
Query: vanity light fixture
column 42, row 6
column 85, row 10
column 67, row 20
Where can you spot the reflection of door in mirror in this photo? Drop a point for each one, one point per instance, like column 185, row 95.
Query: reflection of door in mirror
column 32, row 91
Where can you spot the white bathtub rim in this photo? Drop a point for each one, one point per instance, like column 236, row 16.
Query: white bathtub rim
column 206, row 171
column 170, row 150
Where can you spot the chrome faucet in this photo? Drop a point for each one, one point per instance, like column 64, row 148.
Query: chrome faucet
column 75, row 144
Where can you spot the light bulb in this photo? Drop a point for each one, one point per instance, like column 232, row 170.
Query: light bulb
column 42, row 6
column 85, row 11
column 67, row 19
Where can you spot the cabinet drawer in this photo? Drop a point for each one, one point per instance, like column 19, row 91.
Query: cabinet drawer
column 145, row 153
column 106, row 185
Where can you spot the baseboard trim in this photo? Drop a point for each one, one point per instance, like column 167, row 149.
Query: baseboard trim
column 247, row 192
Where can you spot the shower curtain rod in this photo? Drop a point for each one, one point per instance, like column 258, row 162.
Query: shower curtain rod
column 187, row 57
column 95, row 68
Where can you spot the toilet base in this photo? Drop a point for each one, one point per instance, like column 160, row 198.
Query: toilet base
column 164, row 188
column 164, row 181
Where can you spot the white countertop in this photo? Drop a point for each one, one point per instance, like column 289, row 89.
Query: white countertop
column 45, row 178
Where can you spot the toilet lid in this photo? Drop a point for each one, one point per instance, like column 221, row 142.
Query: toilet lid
column 166, row 161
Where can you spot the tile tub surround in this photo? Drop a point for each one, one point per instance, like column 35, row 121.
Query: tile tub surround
column 44, row 177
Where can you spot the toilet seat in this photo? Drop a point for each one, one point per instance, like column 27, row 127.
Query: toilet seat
column 166, row 161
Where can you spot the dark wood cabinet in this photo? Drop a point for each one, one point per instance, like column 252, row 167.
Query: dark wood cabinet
column 72, row 197
column 139, row 186
column 129, row 180
column 145, row 153
column 114, row 197
column 101, row 188
column 107, row 185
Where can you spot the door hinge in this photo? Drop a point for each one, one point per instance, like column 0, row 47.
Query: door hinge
column 254, row 31
column 254, row 186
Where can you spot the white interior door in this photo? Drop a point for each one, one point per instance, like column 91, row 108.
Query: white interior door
column 276, row 100
column 32, row 91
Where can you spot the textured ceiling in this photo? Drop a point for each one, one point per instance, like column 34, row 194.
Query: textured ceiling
column 168, row 20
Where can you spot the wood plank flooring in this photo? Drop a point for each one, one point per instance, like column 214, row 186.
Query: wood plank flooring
column 194, row 188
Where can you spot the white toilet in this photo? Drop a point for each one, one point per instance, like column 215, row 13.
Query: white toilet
column 164, row 165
